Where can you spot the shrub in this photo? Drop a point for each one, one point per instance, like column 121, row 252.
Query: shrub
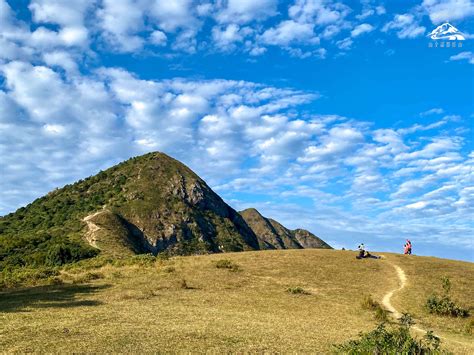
column 381, row 314
column 297, row 291
column 227, row 264
column 444, row 305
column 395, row 340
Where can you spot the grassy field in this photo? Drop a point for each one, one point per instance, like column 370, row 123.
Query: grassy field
column 188, row 304
column 424, row 276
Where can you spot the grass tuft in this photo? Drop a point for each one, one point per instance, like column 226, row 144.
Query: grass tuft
column 370, row 304
column 87, row 277
column 227, row 264
column 469, row 327
column 169, row 269
column 297, row 291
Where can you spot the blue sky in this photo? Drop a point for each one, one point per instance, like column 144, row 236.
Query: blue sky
column 335, row 116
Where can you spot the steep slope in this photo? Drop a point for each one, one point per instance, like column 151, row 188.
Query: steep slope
column 273, row 235
column 149, row 203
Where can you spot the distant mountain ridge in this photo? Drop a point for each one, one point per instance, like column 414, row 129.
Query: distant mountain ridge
column 152, row 203
column 273, row 235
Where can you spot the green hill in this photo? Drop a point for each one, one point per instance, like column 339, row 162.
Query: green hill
column 148, row 204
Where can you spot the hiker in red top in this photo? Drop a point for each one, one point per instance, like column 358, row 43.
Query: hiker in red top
column 408, row 247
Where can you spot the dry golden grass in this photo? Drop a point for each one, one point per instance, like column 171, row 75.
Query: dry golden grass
column 424, row 275
column 147, row 309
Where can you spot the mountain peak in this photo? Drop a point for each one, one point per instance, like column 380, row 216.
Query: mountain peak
column 150, row 203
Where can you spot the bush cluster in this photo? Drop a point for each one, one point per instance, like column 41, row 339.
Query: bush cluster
column 394, row 340
column 28, row 276
column 443, row 304
column 41, row 249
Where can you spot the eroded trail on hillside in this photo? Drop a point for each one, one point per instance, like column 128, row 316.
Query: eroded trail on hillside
column 386, row 302
column 93, row 228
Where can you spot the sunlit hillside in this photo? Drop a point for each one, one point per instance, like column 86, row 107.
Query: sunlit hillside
column 275, row 301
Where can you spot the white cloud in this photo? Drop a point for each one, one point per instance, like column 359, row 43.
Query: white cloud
column 380, row 10
column 172, row 15
column 61, row 59
column 244, row 11
column 431, row 150
column 338, row 141
column 448, row 10
column 225, row 38
column 65, row 13
column 361, row 29
column 70, row 15
column 345, row 44
column 366, row 13
column 417, row 205
column 405, row 25
column 121, row 21
column 319, row 12
column 289, row 32
column 432, row 111
column 468, row 56
column 158, row 38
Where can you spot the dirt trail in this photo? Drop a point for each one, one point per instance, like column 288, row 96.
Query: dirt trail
column 386, row 299
column 93, row 228
column 397, row 315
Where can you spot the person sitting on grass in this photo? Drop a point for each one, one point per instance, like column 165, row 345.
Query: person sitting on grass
column 363, row 254
column 361, row 248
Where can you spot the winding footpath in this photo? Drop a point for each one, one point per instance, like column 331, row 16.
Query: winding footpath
column 386, row 299
column 386, row 302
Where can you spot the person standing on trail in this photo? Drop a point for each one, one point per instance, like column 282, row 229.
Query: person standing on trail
column 408, row 247
column 405, row 249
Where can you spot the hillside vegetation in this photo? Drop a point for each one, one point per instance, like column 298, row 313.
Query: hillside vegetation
column 266, row 301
